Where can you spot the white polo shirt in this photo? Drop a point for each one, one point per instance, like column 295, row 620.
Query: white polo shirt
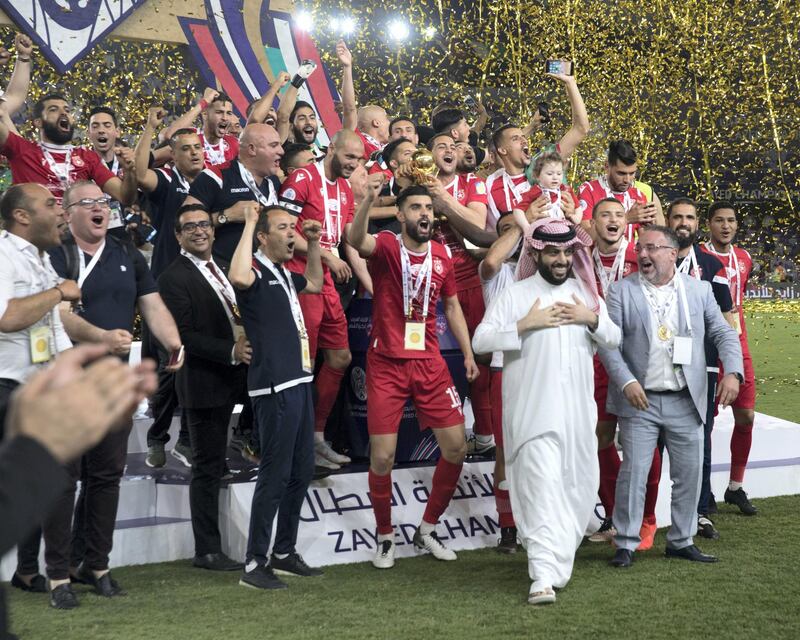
column 24, row 271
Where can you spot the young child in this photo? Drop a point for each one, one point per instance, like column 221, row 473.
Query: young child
column 548, row 170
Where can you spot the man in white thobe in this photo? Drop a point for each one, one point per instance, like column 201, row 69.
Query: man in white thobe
column 547, row 325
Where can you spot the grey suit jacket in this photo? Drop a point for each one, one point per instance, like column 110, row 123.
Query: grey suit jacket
column 629, row 310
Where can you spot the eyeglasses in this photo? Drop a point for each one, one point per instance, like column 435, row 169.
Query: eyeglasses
column 190, row 227
column 651, row 247
column 88, row 203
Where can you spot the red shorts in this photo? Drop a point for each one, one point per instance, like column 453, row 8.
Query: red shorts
column 601, row 392
column 325, row 320
column 426, row 381
column 496, row 384
column 747, row 391
column 473, row 306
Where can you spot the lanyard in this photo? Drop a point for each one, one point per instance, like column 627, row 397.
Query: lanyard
column 616, row 271
column 731, row 262
column 334, row 239
column 220, row 284
column 662, row 310
column 454, row 185
column 250, row 181
column 412, row 288
column 215, row 155
column 61, row 173
column 285, row 280
column 372, row 141
column 555, row 207
column 689, row 265
column 86, row 269
column 115, row 166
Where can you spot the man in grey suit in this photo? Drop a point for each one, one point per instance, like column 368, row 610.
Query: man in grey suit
column 658, row 386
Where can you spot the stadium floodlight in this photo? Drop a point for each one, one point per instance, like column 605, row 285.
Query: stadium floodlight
column 398, row 30
column 304, row 21
column 429, row 33
column 347, row 25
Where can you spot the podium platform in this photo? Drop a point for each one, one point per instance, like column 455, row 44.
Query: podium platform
column 337, row 524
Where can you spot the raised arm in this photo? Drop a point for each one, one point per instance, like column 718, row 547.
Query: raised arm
column 350, row 113
column 241, row 270
column 145, row 176
column 124, row 190
column 190, row 117
column 289, row 99
column 312, row 230
column 262, row 106
column 17, row 89
column 358, row 236
column 482, row 120
column 580, row 119
column 499, row 252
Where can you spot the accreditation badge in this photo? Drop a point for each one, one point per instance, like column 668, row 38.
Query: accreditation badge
column 40, row 345
column 415, row 336
column 238, row 332
column 305, row 352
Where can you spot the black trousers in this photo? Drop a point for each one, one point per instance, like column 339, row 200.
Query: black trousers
column 105, row 464
column 164, row 402
column 285, row 423
column 27, row 549
column 208, row 432
column 708, row 427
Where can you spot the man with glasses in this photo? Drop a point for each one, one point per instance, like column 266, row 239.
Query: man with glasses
column 114, row 281
column 203, row 303
column 657, row 387
column 32, row 327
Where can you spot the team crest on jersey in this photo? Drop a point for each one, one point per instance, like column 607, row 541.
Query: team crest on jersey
column 77, row 161
column 344, row 199
column 461, row 194
column 438, row 267
column 66, row 30
column 289, row 194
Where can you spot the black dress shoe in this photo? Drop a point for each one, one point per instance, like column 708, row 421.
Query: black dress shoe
column 217, row 562
column 622, row 559
column 739, row 499
column 38, row 583
column 105, row 585
column 63, row 597
column 706, row 528
column 690, row 553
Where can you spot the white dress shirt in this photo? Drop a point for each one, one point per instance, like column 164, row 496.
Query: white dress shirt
column 662, row 374
column 24, row 271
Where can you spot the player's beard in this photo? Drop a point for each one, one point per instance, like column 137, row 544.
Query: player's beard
column 685, row 242
column 56, row 135
column 300, row 137
column 547, row 274
column 416, row 234
column 466, row 166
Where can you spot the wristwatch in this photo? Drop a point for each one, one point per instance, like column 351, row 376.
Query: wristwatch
column 739, row 377
column 221, row 219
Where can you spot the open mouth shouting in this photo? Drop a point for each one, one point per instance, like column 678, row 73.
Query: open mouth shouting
column 526, row 154
column 98, row 220
column 309, row 133
column 64, row 124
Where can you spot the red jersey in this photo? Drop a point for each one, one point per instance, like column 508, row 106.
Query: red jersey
column 388, row 321
column 738, row 265
column 504, row 193
column 594, row 191
column 371, row 145
column 379, row 167
column 464, row 188
column 628, row 266
column 221, row 153
column 54, row 166
column 302, row 194
column 555, row 199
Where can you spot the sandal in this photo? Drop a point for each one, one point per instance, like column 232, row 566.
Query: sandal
column 545, row 596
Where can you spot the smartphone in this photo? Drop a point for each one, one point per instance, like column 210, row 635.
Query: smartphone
column 558, row 66
column 175, row 357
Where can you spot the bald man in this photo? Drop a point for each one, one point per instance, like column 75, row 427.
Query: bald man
column 321, row 192
column 226, row 190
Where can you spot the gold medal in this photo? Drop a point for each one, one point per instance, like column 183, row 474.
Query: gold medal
column 664, row 333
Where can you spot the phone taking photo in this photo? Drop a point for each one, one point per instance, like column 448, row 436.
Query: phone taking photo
column 175, row 357
column 564, row 67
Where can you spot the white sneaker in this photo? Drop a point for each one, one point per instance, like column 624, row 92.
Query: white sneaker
column 323, row 449
column 430, row 542
column 322, row 461
column 384, row 556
